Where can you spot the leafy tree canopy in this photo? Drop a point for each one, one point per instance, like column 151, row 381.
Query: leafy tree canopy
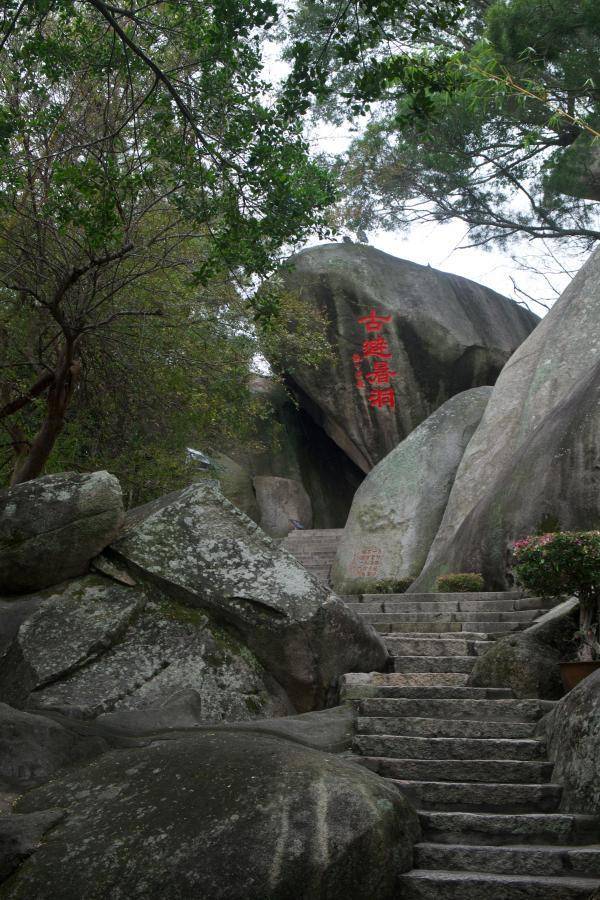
column 142, row 158
column 487, row 112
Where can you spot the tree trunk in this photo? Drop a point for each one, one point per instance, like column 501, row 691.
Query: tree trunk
column 59, row 396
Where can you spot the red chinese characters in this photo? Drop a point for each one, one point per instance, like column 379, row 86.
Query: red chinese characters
column 375, row 350
column 374, row 323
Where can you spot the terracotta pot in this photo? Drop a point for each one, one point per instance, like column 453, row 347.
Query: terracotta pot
column 574, row 672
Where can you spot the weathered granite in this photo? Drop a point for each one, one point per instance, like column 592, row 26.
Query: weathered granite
column 331, row 730
column 70, row 625
column 51, row 528
column 236, row 483
column 398, row 508
column 97, row 645
column 533, row 462
column 201, row 550
column 572, row 733
column 20, row 836
column 447, row 334
column 284, row 441
column 222, row 815
column 528, row 661
column 280, row 500
column 33, row 748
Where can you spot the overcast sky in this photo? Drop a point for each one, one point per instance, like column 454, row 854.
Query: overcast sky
column 511, row 272
column 440, row 245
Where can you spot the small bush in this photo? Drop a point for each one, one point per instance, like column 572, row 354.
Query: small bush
column 565, row 562
column 459, row 582
column 392, row 585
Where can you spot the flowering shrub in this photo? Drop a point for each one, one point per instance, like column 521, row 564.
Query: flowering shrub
column 459, row 581
column 565, row 562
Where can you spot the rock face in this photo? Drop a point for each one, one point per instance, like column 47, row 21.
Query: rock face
column 20, row 836
column 287, row 443
column 198, row 548
column 398, row 508
column 446, row 335
column 33, row 748
column 93, row 646
column 528, row 662
column 236, row 484
column 280, row 500
column 221, row 815
column 52, row 527
column 572, row 731
column 533, row 462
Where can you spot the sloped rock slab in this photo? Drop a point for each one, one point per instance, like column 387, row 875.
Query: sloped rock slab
column 169, row 649
column 69, row 627
column 203, row 551
column 397, row 509
column 20, row 836
column 223, row 815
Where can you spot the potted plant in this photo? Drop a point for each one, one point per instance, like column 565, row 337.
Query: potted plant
column 567, row 562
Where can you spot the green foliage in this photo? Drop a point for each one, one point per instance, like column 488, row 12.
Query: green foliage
column 292, row 331
column 568, row 563
column 146, row 170
column 486, row 113
column 459, row 582
column 564, row 562
column 392, row 585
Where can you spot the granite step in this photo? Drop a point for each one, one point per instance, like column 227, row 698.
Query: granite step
column 458, row 707
column 409, row 747
column 422, row 727
column 456, row 596
column 533, row 606
column 462, row 664
column 428, row 645
column 508, row 828
column 361, row 687
column 432, row 628
column 444, row 617
column 455, row 770
column 582, row 861
column 425, row 679
column 481, row 796
column 425, row 884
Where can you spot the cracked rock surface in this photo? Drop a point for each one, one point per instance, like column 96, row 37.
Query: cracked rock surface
column 197, row 547
column 224, row 815
column 92, row 645
column 51, row 528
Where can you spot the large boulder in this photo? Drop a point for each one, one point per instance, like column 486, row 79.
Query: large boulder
column 201, row 550
column 572, row 733
column 533, row 462
column 94, row 645
column 282, row 501
column 52, row 527
column 528, row 661
column 398, row 508
column 225, row 815
column 446, row 334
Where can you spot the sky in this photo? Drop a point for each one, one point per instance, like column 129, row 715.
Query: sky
column 442, row 246
column 439, row 245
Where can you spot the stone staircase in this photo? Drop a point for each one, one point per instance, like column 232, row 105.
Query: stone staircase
column 315, row 549
column 466, row 757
